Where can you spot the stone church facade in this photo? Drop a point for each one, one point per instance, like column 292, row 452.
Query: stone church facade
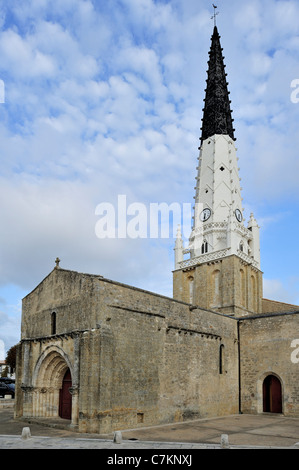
column 108, row 356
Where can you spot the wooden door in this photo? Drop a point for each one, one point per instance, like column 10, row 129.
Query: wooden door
column 276, row 401
column 272, row 395
column 65, row 399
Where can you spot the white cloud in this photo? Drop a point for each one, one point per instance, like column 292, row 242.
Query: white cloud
column 65, row 49
column 22, row 59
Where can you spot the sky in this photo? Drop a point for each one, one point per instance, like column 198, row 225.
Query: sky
column 101, row 99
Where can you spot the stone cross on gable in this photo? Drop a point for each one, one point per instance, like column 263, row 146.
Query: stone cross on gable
column 57, row 261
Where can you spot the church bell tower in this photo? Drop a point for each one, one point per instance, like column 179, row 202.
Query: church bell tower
column 220, row 268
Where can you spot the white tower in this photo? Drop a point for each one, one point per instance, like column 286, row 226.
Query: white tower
column 219, row 235
column 219, row 229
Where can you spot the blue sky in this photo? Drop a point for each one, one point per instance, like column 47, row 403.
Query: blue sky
column 105, row 98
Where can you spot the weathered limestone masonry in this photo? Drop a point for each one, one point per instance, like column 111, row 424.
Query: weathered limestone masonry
column 271, row 306
column 265, row 349
column 228, row 285
column 135, row 358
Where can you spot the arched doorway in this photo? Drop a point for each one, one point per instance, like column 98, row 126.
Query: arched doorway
column 65, row 397
column 272, row 395
column 52, row 367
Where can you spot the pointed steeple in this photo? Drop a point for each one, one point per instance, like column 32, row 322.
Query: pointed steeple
column 217, row 118
column 219, row 230
column 223, row 269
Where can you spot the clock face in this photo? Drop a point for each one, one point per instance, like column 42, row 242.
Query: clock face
column 205, row 215
column 238, row 215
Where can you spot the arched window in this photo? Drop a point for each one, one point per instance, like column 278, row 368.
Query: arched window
column 241, row 246
column 204, row 247
column 53, row 323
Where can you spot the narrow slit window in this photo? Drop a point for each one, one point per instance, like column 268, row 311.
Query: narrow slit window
column 221, row 358
column 53, row 323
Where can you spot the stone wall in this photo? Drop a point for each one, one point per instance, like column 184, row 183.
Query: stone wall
column 139, row 359
column 136, row 358
column 266, row 348
column 272, row 306
column 157, row 362
column 71, row 295
column 228, row 285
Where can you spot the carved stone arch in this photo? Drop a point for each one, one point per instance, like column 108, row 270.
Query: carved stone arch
column 47, row 379
column 50, row 367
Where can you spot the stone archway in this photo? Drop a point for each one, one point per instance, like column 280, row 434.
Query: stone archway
column 272, row 395
column 48, row 376
column 265, row 389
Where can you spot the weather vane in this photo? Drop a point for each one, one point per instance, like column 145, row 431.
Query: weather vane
column 215, row 14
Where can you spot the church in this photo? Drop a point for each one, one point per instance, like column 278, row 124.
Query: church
column 108, row 356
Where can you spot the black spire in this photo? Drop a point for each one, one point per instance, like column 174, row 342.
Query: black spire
column 217, row 118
